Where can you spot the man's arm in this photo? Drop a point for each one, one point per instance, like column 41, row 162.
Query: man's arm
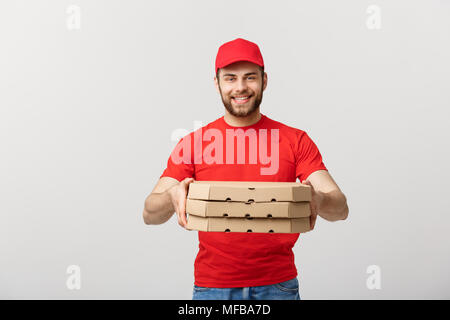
column 331, row 203
column 158, row 207
column 169, row 195
column 333, row 206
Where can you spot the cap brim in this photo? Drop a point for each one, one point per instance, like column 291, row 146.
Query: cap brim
column 231, row 61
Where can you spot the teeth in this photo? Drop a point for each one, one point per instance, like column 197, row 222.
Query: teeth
column 241, row 98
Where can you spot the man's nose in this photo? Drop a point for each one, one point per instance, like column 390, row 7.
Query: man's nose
column 241, row 85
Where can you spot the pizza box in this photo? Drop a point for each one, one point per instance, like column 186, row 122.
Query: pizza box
column 284, row 209
column 261, row 225
column 249, row 191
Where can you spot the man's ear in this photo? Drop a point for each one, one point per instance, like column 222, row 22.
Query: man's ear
column 216, row 84
column 265, row 81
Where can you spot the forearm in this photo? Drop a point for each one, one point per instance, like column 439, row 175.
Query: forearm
column 333, row 206
column 158, row 208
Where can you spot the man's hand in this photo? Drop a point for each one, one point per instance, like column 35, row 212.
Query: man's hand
column 178, row 194
column 316, row 199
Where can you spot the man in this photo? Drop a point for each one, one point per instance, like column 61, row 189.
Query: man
column 236, row 265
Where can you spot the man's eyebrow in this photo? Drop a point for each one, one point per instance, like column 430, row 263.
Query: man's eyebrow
column 247, row 74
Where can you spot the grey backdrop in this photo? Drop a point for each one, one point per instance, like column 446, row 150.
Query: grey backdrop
column 88, row 114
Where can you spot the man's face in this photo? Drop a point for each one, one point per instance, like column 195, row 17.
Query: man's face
column 241, row 87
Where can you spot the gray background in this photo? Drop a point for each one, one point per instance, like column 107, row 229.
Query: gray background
column 87, row 118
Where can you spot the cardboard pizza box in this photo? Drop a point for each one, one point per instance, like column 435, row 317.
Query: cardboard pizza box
column 249, row 191
column 204, row 208
column 263, row 225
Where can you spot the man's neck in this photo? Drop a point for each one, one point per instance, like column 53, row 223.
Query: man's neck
column 242, row 121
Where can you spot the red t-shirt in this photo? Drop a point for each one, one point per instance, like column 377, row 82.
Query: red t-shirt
column 239, row 259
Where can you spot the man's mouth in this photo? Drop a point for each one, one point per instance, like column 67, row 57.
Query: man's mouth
column 241, row 99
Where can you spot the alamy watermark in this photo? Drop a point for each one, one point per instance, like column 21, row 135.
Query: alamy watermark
column 73, row 281
column 373, row 21
column 73, row 21
column 374, row 280
column 221, row 149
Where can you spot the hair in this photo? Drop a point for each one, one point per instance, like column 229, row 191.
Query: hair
column 260, row 68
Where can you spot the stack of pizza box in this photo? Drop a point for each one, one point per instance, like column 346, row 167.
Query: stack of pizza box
column 241, row 206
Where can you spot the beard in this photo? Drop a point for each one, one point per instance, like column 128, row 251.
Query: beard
column 242, row 110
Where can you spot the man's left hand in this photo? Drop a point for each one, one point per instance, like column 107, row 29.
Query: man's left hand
column 316, row 199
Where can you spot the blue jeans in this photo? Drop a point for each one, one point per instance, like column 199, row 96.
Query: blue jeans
column 287, row 290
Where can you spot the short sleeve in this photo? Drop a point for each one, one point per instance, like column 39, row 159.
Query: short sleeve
column 180, row 164
column 308, row 158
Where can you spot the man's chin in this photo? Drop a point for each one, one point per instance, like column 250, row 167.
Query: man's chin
column 242, row 111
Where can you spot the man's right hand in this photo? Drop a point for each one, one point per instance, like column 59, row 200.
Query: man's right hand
column 178, row 194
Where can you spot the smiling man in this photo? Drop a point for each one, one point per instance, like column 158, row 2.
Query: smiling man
column 237, row 265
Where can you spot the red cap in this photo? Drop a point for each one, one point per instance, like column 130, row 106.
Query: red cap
column 238, row 50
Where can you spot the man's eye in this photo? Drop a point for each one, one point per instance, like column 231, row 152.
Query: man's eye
column 253, row 78
column 229, row 79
